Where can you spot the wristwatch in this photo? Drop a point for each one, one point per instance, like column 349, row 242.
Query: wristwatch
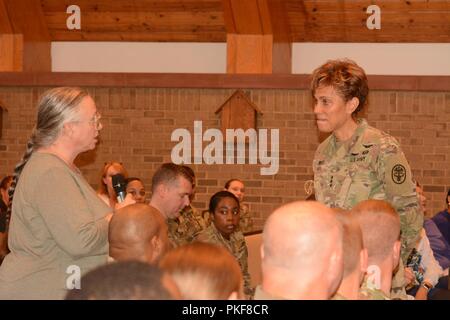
column 426, row 285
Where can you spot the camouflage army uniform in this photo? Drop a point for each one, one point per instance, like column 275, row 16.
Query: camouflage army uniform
column 246, row 219
column 370, row 165
column 369, row 292
column 186, row 227
column 236, row 245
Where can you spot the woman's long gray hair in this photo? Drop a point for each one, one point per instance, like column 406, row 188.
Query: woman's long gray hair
column 56, row 107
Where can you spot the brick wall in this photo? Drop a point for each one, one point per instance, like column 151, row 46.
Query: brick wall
column 138, row 124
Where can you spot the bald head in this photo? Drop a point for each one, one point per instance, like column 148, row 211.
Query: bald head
column 137, row 232
column 380, row 226
column 304, row 238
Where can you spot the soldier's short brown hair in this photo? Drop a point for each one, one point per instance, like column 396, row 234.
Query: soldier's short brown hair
column 380, row 226
column 346, row 77
column 203, row 271
column 169, row 173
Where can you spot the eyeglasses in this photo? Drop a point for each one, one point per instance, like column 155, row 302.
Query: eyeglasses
column 95, row 121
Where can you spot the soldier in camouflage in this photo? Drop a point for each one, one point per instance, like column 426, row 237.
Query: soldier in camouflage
column 224, row 231
column 380, row 227
column 236, row 187
column 184, row 228
column 358, row 162
column 370, row 292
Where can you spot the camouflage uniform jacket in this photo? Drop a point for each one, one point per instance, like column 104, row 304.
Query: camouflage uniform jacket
column 370, row 292
column 186, row 227
column 370, row 165
column 236, row 246
column 246, row 219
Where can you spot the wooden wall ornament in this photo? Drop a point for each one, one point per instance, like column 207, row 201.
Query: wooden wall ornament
column 238, row 112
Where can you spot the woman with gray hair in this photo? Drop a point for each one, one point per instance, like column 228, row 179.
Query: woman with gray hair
column 58, row 226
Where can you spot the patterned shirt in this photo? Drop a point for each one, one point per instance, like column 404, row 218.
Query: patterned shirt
column 369, row 292
column 236, row 245
column 186, row 227
column 370, row 165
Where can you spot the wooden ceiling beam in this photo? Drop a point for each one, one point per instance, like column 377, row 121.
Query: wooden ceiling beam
column 29, row 40
column 258, row 36
column 11, row 45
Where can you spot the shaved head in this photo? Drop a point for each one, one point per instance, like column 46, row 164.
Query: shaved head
column 304, row 238
column 137, row 232
column 380, row 226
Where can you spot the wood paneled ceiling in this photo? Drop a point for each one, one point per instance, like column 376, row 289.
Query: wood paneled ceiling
column 203, row 20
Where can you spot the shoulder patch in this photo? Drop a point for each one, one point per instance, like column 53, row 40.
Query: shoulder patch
column 398, row 174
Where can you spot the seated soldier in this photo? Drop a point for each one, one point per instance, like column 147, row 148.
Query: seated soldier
column 236, row 187
column 224, row 231
column 204, row 271
column 184, row 228
column 380, row 226
column 126, row 280
column 137, row 232
column 355, row 258
column 301, row 253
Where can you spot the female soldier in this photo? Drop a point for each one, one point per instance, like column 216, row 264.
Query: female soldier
column 224, row 230
column 358, row 162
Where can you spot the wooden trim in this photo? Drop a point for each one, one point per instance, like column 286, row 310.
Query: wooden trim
column 209, row 81
column 27, row 19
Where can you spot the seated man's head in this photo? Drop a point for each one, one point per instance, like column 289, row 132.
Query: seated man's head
column 137, row 232
column 224, row 211
column 355, row 255
column 302, row 251
column 204, row 271
column 127, row 280
column 380, row 226
column 171, row 189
